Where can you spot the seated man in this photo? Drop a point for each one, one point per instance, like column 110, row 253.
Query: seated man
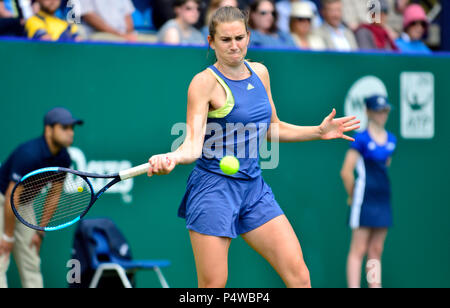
column 333, row 32
column 110, row 20
column 46, row 26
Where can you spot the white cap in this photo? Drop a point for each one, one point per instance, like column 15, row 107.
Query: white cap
column 301, row 10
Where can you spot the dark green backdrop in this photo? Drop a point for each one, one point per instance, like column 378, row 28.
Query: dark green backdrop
column 131, row 96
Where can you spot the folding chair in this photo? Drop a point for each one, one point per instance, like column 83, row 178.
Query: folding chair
column 103, row 260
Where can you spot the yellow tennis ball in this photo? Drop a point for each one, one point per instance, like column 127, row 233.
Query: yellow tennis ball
column 229, row 165
column 80, row 189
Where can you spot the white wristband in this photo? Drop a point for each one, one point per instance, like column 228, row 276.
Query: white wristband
column 8, row 238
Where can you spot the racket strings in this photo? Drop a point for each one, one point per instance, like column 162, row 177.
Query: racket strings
column 49, row 212
column 65, row 209
column 52, row 198
column 55, row 207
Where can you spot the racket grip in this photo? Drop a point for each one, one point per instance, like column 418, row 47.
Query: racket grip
column 132, row 172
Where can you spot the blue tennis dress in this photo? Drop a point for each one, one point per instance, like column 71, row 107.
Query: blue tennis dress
column 229, row 205
column 372, row 194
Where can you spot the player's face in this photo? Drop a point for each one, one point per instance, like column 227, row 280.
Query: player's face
column 379, row 117
column 62, row 135
column 230, row 42
column 50, row 6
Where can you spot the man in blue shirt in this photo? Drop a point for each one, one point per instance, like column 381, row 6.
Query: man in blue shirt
column 49, row 150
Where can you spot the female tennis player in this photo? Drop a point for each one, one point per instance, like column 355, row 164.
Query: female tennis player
column 236, row 93
column 369, row 197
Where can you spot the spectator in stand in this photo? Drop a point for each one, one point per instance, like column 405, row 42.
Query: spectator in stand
column 180, row 30
column 284, row 8
column 395, row 17
column 9, row 26
column 4, row 13
column 354, row 13
column 13, row 14
column 46, row 26
column 110, row 21
column 263, row 26
column 162, row 11
column 300, row 26
column 415, row 26
column 21, row 9
column 214, row 5
column 375, row 35
column 333, row 32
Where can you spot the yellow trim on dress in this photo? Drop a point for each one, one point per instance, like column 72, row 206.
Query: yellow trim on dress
column 229, row 103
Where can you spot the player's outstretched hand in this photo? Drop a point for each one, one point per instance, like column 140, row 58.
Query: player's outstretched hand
column 332, row 128
column 161, row 164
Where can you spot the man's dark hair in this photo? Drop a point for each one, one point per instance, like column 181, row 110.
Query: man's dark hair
column 178, row 3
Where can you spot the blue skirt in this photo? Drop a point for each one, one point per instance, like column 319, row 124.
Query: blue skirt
column 218, row 205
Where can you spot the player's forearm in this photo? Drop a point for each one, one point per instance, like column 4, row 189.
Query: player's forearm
column 187, row 153
column 129, row 23
column 349, row 182
column 9, row 218
column 285, row 132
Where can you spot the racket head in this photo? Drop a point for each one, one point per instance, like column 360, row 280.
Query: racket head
column 50, row 199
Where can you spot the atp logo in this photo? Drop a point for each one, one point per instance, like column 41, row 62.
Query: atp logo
column 417, row 105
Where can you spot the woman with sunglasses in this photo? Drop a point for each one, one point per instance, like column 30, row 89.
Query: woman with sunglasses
column 415, row 26
column 300, row 26
column 369, row 196
column 180, row 30
column 284, row 9
column 263, row 24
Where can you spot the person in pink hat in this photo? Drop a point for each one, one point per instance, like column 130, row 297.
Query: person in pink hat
column 415, row 26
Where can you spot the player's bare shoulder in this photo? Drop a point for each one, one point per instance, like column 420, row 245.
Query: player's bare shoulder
column 204, row 82
column 262, row 72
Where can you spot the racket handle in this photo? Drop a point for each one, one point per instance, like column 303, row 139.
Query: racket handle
column 132, row 172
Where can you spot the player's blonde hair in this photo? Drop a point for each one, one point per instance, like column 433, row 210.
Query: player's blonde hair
column 226, row 14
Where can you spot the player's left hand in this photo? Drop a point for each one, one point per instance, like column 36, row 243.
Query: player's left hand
column 332, row 128
column 36, row 241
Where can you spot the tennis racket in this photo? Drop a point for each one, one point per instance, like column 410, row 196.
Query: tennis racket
column 54, row 198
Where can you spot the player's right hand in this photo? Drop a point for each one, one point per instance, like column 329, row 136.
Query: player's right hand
column 349, row 201
column 161, row 164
